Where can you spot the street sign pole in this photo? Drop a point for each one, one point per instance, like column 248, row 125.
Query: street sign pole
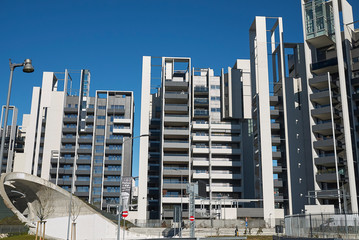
column 191, row 208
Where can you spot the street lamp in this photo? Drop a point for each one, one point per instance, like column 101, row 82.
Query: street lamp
column 121, row 200
column 28, row 68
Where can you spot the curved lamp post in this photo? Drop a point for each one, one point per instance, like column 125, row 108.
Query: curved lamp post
column 28, row 68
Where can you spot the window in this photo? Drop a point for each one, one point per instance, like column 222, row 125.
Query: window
column 85, row 146
column 83, row 189
column 84, row 167
column 215, row 87
column 99, row 149
column 69, row 146
column 215, row 110
column 91, row 106
column 100, row 139
column 215, row 98
column 101, row 107
column 101, row 117
column 98, row 159
column 98, row 169
column 67, row 167
column 97, row 180
column 117, row 107
column 100, row 126
column 114, row 157
column 113, row 168
column 115, row 147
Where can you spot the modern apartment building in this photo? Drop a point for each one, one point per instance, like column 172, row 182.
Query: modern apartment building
column 194, row 119
column 14, row 140
column 332, row 69
column 282, row 153
column 76, row 141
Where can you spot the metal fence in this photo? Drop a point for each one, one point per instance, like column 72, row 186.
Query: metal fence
column 206, row 223
column 323, row 226
column 13, row 229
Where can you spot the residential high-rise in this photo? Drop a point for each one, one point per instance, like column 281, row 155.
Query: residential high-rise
column 194, row 120
column 76, row 140
column 282, row 153
column 14, row 141
column 332, row 69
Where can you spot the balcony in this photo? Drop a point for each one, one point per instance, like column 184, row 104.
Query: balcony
column 200, row 90
column 67, row 150
column 276, row 141
column 175, row 158
column 276, row 155
column 322, row 98
column 113, row 151
column 175, row 172
column 112, row 183
column 201, row 113
column 275, row 127
column 68, row 140
column 175, row 145
column 278, row 182
column 273, row 100
column 328, row 161
column 176, row 85
column 69, row 129
column 325, row 145
column 200, row 150
column 327, row 177
column 176, row 131
column 176, row 96
column 324, row 128
column 85, row 140
column 173, row 186
column 176, row 108
column 319, row 82
column 176, row 118
column 323, row 113
column 274, row 113
column 201, row 101
column 277, row 169
column 84, row 150
column 114, row 140
column 329, row 65
column 70, row 110
column 70, row 119
column 112, row 111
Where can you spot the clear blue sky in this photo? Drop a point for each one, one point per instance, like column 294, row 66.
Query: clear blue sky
column 109, row 37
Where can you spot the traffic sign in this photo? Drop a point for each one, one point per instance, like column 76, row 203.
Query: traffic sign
column 191, row 218
column 124, row 214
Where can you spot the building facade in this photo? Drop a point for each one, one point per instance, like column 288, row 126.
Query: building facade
column 14, row 140
column 331, row 54
column 76, row 141
column 282, row 154
column 194, row 120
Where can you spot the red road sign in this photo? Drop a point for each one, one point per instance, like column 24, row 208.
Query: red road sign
column 124, row 214
column 191, row 218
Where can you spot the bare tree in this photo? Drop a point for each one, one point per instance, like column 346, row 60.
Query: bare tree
column 75, row 212
column 44, row 208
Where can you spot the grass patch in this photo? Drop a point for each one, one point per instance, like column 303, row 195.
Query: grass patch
column 13, row 220
column 20, row 237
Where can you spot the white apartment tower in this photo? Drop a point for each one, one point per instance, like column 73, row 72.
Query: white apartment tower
column 194, row 120
column 332, row 69
column 75, row 140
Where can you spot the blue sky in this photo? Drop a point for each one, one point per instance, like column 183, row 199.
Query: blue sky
column 110, row 37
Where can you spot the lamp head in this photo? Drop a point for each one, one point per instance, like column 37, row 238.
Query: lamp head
column 28, row 68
